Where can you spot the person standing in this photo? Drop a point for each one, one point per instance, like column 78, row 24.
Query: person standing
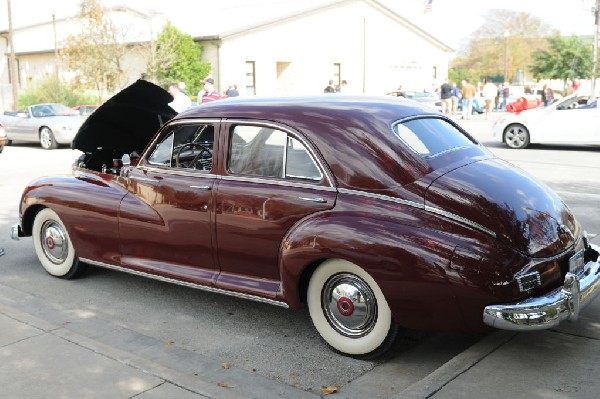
column 505, row 95
column 468, row 92
column 330, row 87
column 180, row 102
column 489, row 92
column 446, row 97
column 232, row 91
column 209, row 93
column 547, row 95
column 455, row 98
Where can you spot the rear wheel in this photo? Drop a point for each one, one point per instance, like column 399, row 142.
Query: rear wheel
column 47, row 140
column 516, row 136
column 349, row 310
column 53, row 245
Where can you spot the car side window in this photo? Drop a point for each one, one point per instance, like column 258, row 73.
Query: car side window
column 185, row 147
column 269, row 152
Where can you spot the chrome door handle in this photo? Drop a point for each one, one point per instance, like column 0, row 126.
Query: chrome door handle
column 202, row 187
column 314, row 199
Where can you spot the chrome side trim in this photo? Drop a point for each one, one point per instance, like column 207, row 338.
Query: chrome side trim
column 285, row 183
column 417, row 205
column 188, row 284
column 381, row 197
column 460, row 219
column 548, row 311
column 177, row 172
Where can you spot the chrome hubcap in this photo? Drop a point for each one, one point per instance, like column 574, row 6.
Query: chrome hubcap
column 54, row 242
column 349, row 305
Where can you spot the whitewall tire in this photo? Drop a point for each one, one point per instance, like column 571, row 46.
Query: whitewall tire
column 53, row 245
column 349, row 310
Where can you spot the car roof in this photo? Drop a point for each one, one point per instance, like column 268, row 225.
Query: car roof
column 353, row 133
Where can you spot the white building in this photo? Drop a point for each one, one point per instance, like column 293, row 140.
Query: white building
column 361, row 41
column 37, row 48
column 290, row 49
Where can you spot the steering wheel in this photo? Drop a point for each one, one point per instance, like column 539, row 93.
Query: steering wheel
column 191, row 146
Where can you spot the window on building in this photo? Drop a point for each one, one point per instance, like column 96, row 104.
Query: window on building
column 251, row 78
column 337, row 73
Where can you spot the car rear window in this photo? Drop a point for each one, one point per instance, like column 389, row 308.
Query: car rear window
column 431, row 136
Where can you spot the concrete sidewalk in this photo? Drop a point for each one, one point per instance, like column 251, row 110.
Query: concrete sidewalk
column 46, row 353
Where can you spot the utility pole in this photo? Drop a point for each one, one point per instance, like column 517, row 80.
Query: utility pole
column 596, row 11
column 12, row 61
column 56, row 71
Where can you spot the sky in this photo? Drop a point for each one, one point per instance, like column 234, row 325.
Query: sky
column 452, row 21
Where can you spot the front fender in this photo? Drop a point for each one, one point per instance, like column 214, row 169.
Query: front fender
column 88, row 205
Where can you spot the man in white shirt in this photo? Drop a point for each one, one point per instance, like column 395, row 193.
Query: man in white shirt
column 180, row 102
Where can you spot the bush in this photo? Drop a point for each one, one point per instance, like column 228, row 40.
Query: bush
column 51, row 89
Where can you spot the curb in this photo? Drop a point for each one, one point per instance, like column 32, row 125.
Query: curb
column 434, row 382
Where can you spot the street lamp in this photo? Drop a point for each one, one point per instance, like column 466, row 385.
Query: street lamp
column 506, row 35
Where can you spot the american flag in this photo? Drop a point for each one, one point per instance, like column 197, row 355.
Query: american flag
column 428, row 6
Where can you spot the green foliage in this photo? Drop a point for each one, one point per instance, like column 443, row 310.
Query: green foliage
column 50, row 89
column 96, row 52
column 565, row 58
column 505, row 40
column 176, row 59
column 460, row 74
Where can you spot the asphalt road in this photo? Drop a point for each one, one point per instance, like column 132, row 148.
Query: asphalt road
column 265, row 343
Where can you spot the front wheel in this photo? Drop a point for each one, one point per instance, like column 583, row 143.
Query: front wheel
column 349, row 310
column 53, row 245
column 516, row 136
column 47, row 140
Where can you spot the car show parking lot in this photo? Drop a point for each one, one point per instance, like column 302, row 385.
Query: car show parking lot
column 175, row 339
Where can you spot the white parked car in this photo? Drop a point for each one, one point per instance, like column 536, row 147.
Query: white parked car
column 570, row 120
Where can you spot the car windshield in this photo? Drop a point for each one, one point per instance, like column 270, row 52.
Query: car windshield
column 43, row 110
column 431, row 136
column 572, row 102
column 419, row 95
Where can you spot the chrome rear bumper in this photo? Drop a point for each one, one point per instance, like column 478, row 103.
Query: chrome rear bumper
column 549, row 310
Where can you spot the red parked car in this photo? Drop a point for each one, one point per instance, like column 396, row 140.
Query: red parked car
column 375, row 212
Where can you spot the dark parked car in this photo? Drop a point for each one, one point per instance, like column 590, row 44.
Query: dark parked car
column 376, row 212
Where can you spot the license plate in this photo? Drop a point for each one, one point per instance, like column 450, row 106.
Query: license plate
column 576, row 263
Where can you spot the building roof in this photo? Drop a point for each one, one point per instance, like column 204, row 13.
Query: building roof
column 236, row 22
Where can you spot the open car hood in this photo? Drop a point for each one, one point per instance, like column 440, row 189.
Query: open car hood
column 127, row 121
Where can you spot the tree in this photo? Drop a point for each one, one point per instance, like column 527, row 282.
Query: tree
column 50, row 89
column 176, row 58
column 506, row 39
column 565, row 58
column 96, row 53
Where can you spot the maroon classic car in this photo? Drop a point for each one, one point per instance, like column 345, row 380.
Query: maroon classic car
column 376, row 212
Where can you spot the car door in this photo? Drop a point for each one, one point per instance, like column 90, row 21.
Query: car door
column 20, row 127
column 570, row 121
column 272, row 179
column 165, row 221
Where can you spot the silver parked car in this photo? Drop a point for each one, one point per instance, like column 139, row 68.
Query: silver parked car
column 47, row 124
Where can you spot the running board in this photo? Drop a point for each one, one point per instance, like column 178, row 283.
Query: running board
column 188, row 284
